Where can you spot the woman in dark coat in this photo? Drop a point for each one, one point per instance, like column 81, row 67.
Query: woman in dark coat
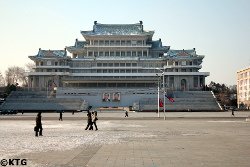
column 94, row 119
column 38, row 127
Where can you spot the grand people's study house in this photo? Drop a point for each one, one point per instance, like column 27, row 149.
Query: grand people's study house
column 121, row 65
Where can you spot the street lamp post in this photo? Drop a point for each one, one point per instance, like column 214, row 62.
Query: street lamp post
column 158, row 97
column 164, row 92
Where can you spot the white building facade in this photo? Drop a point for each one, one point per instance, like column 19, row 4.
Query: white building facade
column 243, row 88
column 118, row 57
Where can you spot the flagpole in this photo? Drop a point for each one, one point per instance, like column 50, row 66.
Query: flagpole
column 164, row 94
column 158, row 98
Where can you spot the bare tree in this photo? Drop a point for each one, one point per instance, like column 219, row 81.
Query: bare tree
column 15, row 75
column 30, row 67
column 2, row 81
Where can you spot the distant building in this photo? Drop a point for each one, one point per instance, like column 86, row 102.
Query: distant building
column 116, row 61
column 243, row 88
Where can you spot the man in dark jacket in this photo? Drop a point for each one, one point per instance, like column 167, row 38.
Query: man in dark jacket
column 89, row 121
column 38, row 127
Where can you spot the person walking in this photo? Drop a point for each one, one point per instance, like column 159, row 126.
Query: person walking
column 126, row 113
column 60, row 116
column 38, row 127
column 232, row 111
column 89, row 122
column 94, row 119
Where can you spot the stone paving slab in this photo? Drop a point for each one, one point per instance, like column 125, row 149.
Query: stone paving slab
column 118, row 115
column 174, row 143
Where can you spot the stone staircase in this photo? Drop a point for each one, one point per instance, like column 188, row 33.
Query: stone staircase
column 38, row 100
column 184, row 101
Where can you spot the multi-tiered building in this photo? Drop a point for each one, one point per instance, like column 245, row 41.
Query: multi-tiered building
column 116, row 60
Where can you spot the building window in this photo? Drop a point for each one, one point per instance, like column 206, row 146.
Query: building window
column 101, row 43
column 100, row 53
column 106, row 53
column 144, row 53
column 128, row 64
column 112, row 43
column 123, row 43
column 128, row 43
column 122, row 65
column 117, row 43
column 128, row 53
column 171, row 81
column 139, row 43
column 48, row 63
column 195, row 81
column 134, row 70
column 106, row 43
column 201, row 81
column 117, row 53
column 133, row 43
column 90, row 53
column 133, row 54
column 112, row 53
column 139, row 54
column 95, row 42
column 123, row 54
column 95, row 54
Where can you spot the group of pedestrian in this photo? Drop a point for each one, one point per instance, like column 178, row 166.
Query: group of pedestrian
column 91, row 120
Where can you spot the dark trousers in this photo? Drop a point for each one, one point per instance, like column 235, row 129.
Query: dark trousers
column 95, row 126
column 39, row 129
column 89, row 126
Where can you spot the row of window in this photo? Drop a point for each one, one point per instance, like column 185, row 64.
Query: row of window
column 50, row 63
column 119, row 53
column 117, row 42
column 141, row 64
column 88, row 64
column 244, row 94
column 244, row 82
column 122, row 85
column 244, row 87
column 244, row 75
column 129, row 70
column 115, row 70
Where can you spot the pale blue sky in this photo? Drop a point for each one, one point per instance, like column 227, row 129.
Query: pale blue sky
column 218, row 29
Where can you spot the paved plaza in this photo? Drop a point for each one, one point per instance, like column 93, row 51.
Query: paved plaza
column 142, row 140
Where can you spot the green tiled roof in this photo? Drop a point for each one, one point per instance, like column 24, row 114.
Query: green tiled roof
column 117, row 29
